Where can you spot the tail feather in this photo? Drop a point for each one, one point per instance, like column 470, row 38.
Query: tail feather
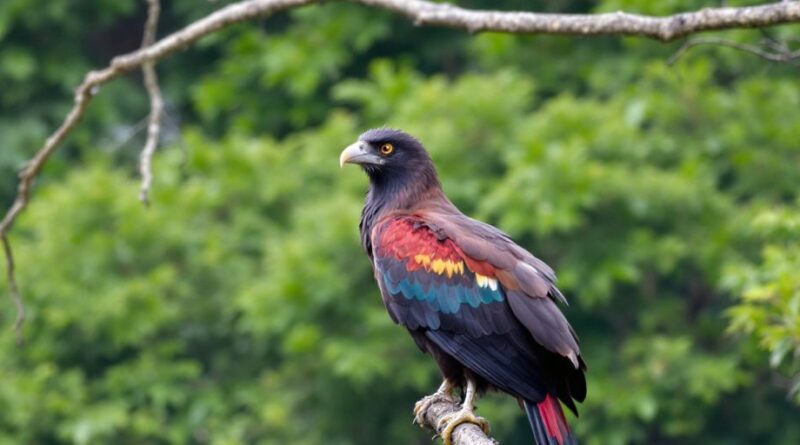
column 548, row 423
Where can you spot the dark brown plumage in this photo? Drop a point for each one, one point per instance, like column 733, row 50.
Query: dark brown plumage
column 481, row 305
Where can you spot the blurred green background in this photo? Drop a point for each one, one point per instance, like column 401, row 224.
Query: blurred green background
column 239, row 309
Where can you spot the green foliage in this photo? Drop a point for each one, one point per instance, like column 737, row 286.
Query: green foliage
column 770, row 290
column 239, row 308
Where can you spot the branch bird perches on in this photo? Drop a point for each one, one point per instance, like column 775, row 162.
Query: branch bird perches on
column 421, row 13
column 464, row 434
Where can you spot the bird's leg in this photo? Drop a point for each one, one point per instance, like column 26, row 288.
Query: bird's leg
column 449, row 422
column 444, row 393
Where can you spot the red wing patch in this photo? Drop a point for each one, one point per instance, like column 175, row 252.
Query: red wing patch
column 411, row 240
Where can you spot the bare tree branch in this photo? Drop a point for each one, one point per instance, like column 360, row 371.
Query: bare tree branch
column 26, row 176
column 779, row 52
column 464, row 434
column 667, row 28
column 234, row 13
column 156, row 102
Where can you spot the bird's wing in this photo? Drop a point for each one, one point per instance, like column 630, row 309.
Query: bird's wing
column 447, row 292
column 528, row 283
column 429, row 283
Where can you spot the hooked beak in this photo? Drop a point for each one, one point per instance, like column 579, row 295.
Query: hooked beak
column 358, row 153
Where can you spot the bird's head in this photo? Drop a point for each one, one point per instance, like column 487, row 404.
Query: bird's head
column 391, row 158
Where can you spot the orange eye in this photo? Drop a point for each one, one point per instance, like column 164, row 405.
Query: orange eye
column 387, row 149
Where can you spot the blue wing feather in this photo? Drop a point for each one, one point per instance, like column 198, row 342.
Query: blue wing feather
column 446, row 294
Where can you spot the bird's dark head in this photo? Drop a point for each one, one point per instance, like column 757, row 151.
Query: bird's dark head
column 401, row 176
column 393, row 160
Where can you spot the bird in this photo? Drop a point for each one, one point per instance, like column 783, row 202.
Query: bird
column 482, row 306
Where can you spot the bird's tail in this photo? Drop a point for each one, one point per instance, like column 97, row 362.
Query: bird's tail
column 548, row 423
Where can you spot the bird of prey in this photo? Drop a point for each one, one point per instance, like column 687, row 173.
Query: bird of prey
column 482, row 306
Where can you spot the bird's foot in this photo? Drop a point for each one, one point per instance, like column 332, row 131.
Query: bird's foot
column 421, row 407
column 449, row 422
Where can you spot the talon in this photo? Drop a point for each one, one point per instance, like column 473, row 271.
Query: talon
column 448, row 423
column 422, row 406
column 444, row 393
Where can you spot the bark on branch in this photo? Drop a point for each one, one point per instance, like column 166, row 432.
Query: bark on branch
column 464, row 434
column 667, row 28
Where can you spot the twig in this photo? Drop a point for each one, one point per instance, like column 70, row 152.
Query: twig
column 12, row 285
column 775, row 44
column 156, row 103
column 129, row 134
column 464, row 434
column 26, row 177
column 780, row 54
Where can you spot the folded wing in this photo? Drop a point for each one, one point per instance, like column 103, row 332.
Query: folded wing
column 474, row 295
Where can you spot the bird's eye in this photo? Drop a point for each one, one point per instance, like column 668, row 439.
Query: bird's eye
column 387, row 149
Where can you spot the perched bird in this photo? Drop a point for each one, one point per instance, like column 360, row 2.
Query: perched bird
column 481, row 305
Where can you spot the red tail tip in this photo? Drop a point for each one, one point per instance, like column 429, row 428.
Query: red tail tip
column 553, row 417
